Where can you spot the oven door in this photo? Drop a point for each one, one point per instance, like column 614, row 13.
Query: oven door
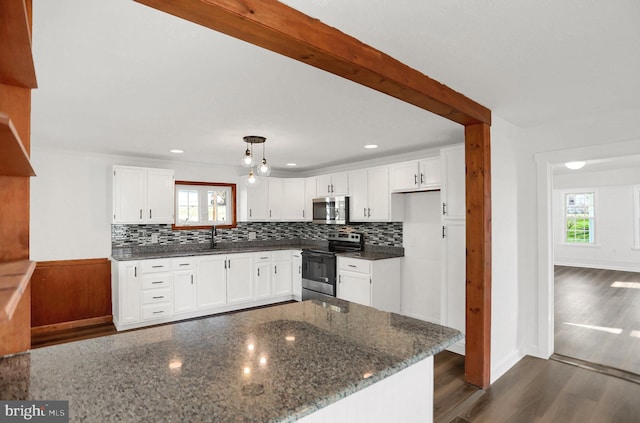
column 318, row 273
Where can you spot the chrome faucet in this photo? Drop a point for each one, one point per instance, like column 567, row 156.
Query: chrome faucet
column 213, row 236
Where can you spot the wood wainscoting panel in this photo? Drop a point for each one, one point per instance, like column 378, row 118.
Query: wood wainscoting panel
column 70, row 293
column 15, row 336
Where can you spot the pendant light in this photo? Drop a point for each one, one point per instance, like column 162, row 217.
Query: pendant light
column 264, row 169
column 248, row 159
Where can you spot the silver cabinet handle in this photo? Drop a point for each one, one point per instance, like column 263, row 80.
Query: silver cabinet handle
column 415, row 179
column 443, row 233
column 149, row 213
column 258, row 271
column 352, row 265
column 275, row 269
column 157, row 266
column 249, row 212
column 368, row 212
column 264, row 258
column 339, row 278
column 155, row 282
column 328, row 188
column 444, row 208
column 191, row 279
column 331, row 187
column 158, row 312
column 184, row 264
column 364, row 212
column 229, row 263
column 140, row 214
column 135, row 271
column 158, row 297
column 421, row 178
column 269, row 213
column 300, row 269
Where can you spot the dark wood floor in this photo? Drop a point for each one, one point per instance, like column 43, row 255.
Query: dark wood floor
column 597, row 320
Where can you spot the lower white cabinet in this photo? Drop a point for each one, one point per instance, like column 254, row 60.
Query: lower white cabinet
column 296, row 275
column 282, row 277
column 454, row 276
column 262, row 275
column 239, row 281
column 147, row 292
column 374, row 283
column 184, row 285
column 211, row 278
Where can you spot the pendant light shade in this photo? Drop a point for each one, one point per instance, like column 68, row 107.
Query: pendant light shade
column 264, row 169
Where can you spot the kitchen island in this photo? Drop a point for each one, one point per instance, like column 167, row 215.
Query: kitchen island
column 296, row 361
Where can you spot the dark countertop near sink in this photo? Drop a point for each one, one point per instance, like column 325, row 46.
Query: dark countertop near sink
column 371, row 252
column 275, row 364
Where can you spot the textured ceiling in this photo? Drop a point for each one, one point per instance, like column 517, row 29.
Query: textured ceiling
column 118, row 77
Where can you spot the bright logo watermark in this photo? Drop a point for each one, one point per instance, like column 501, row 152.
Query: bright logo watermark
column 34, row 411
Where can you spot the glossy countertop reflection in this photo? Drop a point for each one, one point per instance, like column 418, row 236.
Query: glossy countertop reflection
column 274, row 364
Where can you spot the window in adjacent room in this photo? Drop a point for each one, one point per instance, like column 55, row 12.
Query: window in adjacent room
column 579, row 217
column 203, row 204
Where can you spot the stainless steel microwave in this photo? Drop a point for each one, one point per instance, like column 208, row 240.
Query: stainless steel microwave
column 331, row 210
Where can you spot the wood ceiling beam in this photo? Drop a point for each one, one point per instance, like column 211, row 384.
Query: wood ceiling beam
column 284, row 30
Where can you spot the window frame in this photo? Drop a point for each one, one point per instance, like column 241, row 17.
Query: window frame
column 199, row 184
column 636, row 216
column 592, row 226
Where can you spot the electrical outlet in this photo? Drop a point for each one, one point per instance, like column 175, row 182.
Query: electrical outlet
column 155, row 237
column 252, row 236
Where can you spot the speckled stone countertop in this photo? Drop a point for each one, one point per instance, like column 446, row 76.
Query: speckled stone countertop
column 165, row 251
column 274, row 364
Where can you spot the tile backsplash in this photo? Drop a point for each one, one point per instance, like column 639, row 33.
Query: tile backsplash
column 376, row 234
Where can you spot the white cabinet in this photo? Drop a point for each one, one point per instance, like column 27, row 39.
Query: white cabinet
column 423, row 175
column 239, row 278
column 369, row 195
column 262, row 275
column 184, row 285
column 310, row 192
column 143, row 195
column 211, row 277
column 265, row 200
column 293, row 203
column 375, row 283
column 296, row 274
column 258, row 201
column 453, row 182
column 126, row 287
column 333, row 184
column 453, row 292
column 157, row 284
column 282, row 273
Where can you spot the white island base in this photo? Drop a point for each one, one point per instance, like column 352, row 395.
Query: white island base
column 406, row 396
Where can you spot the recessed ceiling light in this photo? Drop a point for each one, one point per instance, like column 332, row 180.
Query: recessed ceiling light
column 176, row 151
column 574, row 165
column 371, row 146
column 291, row 164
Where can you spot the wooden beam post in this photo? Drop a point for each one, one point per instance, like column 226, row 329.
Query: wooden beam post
column 478, row 298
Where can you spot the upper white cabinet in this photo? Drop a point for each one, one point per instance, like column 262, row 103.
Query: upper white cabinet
column 293, row 201
column 310, row 192
column 333, row 184
column 369, row 195
column 453, row 182
column 423, row 175
column 258, row 201
column 143, row 195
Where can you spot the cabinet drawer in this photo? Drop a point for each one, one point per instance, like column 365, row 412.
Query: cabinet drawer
column 156, row 311
column 263, row 257
column 160, row 280
column 354, row 265
column 184, row 263
column 155, row 265
column 153, row 296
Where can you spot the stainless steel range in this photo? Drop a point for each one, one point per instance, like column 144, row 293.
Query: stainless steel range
column 319, row 264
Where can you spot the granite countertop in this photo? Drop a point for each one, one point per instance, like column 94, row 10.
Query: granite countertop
column 274, row 364
column 185, row 250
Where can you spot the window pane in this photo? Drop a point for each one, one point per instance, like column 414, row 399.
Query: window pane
column 217, row 205
column 579, row 217
column 188, row 206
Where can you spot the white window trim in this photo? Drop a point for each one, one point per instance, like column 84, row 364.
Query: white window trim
column 203, row 206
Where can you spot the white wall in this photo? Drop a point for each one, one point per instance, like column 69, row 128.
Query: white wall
column 422, row 263
column 614, row 221
column 71, row 200
column 505, row 342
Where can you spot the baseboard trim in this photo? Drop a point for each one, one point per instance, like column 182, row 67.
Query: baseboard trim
column 622, row 267
column 505, row 364
column 39, row 330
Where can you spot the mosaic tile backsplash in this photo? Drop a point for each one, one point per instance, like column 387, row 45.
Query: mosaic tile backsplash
column 375, row 234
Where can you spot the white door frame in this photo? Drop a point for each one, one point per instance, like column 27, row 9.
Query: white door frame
column 544, row 166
